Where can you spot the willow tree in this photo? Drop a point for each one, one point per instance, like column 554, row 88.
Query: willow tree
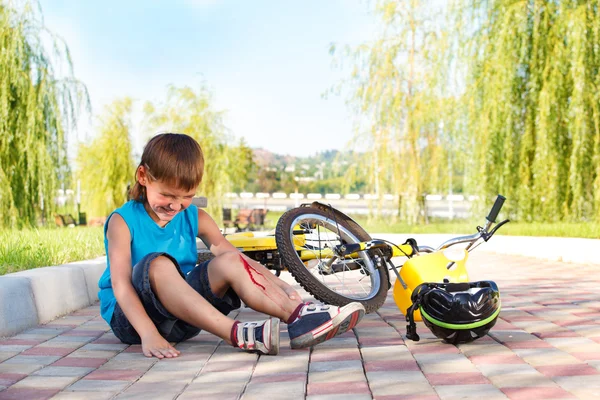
column 37, row 106
column 532, row 104
column 192, row 112
column 105, row 167
column 399, row 96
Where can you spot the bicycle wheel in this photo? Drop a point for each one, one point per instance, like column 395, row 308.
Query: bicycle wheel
column 305, row 237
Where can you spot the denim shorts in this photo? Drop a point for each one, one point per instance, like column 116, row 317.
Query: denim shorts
column 169, row 326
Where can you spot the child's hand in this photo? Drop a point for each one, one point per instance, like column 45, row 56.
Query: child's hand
column 292, row 294
column 156, row 346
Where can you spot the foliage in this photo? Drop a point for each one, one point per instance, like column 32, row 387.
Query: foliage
column 105, row 166
column 532, row 105
column 191, row 112
column 37, row 105
column 499, row 94
column 32, row 248
column 241, row 165
column 399, row 92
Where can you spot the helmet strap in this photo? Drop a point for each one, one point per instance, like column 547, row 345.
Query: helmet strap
column 411, row 327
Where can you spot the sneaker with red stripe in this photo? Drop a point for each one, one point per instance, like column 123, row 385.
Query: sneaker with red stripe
column 317, row 323
column 260, row 337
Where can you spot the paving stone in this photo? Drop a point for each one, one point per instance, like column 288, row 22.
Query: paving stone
column 217, row 377
column 104, row 347
column 391, row 365
column 485, row 391
column 521, row 379
column 45, row 382
column 384, row 353
column 409, row 383
column 331, row 354
column 37, row 360
column 13, row 393
column 83, row 396
column 279, row 377
column 94, row 385
column 542, row 392
column 156, row 395
column 355, row 365
column 578, row 382
column 176, row 365
column 6, row 368
column 90, row 362
column 341, row 387
column 340, row 397
column 202, row 390
column 63, row 371
column 440, row 363
column 275, row 390
column 115, row 374
column 73, row 340
column 14, row 348
column 278, row 364
column 503, row 369
column 336, row 376
column 538, row 357
column 40, row 350
column 141, row 364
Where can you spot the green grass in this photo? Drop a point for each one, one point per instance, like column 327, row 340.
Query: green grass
column 32, row 248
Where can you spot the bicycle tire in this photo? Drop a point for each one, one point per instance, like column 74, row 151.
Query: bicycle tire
column 312, row 279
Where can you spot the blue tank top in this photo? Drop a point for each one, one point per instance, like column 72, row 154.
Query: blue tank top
column 177, row 238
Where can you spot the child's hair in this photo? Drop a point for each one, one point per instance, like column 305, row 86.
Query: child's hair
column 174, row 158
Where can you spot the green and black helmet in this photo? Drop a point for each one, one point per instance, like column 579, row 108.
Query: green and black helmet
column 455, row 312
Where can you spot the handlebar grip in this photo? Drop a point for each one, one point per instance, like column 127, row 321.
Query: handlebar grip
column 496, row 208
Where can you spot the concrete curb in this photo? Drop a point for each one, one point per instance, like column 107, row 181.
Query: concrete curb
column 37, row 296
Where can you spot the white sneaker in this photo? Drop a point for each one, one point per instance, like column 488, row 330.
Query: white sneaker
column 259, row 336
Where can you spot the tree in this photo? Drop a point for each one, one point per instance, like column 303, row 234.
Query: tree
column 241, row 165
column 399, row 91
column 105, row 167
column 531, row 105
column 37, row 107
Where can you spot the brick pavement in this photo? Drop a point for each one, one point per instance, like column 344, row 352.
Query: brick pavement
column 546, row 344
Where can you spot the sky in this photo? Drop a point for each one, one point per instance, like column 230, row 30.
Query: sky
column 267, row 63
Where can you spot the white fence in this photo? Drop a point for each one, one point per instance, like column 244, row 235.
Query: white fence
column 436, row 205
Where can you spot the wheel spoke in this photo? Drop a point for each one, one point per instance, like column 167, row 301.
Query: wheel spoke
column 351, row 277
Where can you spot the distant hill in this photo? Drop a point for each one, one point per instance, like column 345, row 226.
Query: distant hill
column 264, row 157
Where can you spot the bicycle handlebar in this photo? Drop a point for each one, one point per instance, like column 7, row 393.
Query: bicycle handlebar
column 496, row 208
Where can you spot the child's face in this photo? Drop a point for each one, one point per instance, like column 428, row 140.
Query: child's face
column 165, row 201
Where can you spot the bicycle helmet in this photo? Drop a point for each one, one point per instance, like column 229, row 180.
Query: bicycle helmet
column 455, row 312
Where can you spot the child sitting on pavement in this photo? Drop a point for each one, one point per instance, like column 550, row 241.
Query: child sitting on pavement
column 153, row 293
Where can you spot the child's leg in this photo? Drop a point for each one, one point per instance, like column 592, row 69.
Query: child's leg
column 253, row 283
column 185, row 303
column 308, row 324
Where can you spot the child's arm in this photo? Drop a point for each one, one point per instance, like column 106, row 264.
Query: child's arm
column 211, row 235
column 119, row 254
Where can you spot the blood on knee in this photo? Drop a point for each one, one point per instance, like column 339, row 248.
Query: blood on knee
column 251, row 271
